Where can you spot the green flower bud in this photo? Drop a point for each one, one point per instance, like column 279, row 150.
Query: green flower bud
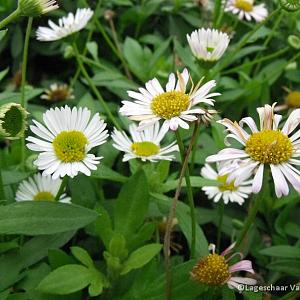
column 290, row 5
column 29, row 162
column 291, row 66
column 294, row 41
column 12, row 121
column 35, row 8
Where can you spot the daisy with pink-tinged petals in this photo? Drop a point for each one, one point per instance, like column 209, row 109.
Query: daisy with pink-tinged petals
column 216, row 270
column 174, row 104
column 269, row 145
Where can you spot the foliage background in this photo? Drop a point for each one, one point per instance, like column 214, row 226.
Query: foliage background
column 133, row 198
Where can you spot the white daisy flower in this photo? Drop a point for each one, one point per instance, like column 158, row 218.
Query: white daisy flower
column 208, row 44
column 66, row 25
column 40, row 188
column 227, row 191
column 65, row 140
column 144, row 144
column 35, row 8
column 245, row 9
column 269, row 145
column 174, row 104
column 58, row 92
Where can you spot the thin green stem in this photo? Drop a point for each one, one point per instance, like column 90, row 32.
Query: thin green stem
column 62, row 188
column 2, row 192
column 249, row 220
column 23, row 83
column 172, row 213
column 221, row 215
column 112, row 47
column 242, row 43
column 217, row 12
column 90, row 34
column 189, row 187
column 259, row 60
column 94, row 88
column 24, row 63
column 14, row 15
column 269, row 38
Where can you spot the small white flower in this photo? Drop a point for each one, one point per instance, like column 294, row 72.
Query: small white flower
column 277, row 148
column 246, row 9
column 66, row 25
column 58, row 92
column 174, row 104
column 144, row 144
column 65, row 141
column 40, row 188
column 228, row 191
column 35, row 8
column 208, row 44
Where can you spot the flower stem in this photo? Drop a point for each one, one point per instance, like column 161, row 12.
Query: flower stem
column 113, row 48
column 188, row 185
column 250, row 218
column 10, row 18
column 221, row 215
column 172, row 213
column 62, row 188
column 23, row 83
column 2, row 192
column 94, row 88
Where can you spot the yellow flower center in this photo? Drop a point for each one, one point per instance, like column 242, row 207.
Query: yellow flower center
column 44, row 196
column 224, row 186
column 244, row 5
column 145, row 148
column 269, row 147
column 211, row 270
column 170, row 104
column 293, row 99
column 69, row 146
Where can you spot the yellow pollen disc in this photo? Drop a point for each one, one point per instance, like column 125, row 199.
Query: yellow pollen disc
column 244, row 5
column 145, row 148
column 211, row 270
column 44, row 196
column 69, row 146
column 224, row 186
column 293, row 99
column 269, row 147
column 170, row 104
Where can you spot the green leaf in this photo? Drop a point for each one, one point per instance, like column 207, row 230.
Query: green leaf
column 132, row 205
column 104, row 172
column 140, row 257
column 2, row 34
column 184, row 220
column 103, row 226
column 282, row 251
column 83, row 256
column 3, row 73
column 35, row 218
column 117, row 245
column 66, row 280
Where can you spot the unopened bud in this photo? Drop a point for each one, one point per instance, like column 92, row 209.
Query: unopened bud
column 35, row 8
column 13, row 121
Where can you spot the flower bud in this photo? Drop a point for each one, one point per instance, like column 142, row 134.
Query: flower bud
column 35, row 8
column 290, row 5
column 13, row 121
column 294, row 41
